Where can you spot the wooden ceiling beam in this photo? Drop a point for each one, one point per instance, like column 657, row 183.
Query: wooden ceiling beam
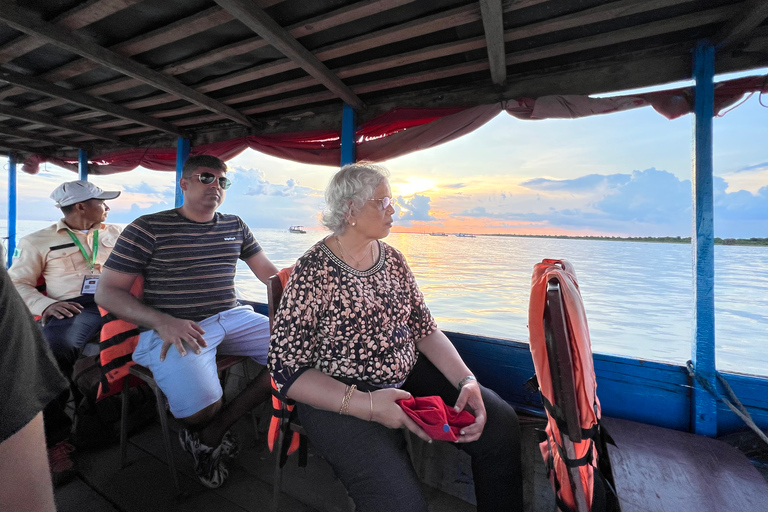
column 262, row 24
column 36, row 117
column 749, row 17
column 84, row 100
column 22, row 134
column 27, row 22
column 493, row 25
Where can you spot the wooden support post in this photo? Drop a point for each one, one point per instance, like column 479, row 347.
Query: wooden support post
column 82, row 165
column 182, row 153
column 348, row 129
column 704, row 406
column 11, row 209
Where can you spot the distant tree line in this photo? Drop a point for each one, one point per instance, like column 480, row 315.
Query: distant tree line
column 650, row 239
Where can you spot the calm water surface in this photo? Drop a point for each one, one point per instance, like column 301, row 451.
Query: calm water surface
column 638, row 296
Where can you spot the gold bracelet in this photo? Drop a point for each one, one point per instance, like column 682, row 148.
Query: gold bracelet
column 347, row 397
column 370, row 418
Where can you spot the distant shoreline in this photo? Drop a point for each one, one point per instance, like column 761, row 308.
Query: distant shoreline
column 756, row 242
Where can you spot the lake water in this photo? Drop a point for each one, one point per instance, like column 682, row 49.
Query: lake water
column 638, row 296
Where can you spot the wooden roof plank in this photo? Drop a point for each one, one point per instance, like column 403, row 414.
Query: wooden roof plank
column 262, row 24
column 76, row 18
column 20, row 148
column 666, row 26
column 493, row 24
column 751, row 15
column 84, row 100
column 27, row 22
column 35, row 117
column 605, row 12
column 23, row 134
column 304, row 28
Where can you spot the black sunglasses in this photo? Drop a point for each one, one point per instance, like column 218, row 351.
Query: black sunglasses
column 207, row 178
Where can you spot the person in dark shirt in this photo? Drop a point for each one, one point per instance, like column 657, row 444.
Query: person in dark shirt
column 187, row 258
column 30, row 379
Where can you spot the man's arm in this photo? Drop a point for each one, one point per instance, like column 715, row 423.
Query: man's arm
column 28, row 488
column 261, row 266
column 25, row 271
column 114, row 295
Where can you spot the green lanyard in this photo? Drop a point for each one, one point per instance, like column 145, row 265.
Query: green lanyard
column 91, row 261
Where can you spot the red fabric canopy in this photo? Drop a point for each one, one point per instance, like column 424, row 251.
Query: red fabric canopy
column 404, row 130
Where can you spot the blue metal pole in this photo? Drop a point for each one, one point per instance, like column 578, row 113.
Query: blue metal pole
column 82, row 165
column 348, row 128
column 704, row 406
column 182, row 153
column 11, row 209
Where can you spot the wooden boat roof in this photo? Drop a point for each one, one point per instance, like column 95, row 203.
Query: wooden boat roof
column 100, row 74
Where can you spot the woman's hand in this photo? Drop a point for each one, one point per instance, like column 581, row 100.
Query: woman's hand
column 471, row 399
column 388, row 413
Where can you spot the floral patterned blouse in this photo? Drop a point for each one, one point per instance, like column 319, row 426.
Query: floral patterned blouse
column 349, row 323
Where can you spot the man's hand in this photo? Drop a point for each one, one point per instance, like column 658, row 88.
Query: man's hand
column 61, row 310
column 177, row 332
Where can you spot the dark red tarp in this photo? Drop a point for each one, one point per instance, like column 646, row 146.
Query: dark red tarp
column 404, row 130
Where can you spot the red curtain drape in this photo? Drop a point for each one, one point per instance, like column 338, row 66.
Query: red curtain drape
column 404, row 130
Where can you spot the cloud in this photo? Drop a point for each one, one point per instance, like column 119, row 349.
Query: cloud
column 643, row 203
column 255, row 183
column 146, row 189
column 454, row 185
column 417, row 209
column 588, row 182
column 756, row 167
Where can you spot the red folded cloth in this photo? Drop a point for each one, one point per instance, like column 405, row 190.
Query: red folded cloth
column 435, row 417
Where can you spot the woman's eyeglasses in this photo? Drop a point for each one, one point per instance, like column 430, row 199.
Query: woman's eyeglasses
column 385, row 202
column 207, row 178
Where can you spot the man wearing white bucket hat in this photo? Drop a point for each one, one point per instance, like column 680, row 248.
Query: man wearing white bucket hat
column 68, row 256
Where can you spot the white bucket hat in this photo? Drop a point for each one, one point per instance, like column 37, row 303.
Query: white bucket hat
column 73, row 192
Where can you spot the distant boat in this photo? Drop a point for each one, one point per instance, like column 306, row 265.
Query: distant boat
column 437, row 234
column 465, row 235
column 297, row 229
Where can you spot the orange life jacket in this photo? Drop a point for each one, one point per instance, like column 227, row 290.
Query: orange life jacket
column 118, row 340
column 283, row 409
column 552, row 449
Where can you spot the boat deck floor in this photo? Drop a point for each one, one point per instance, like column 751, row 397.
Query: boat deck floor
column 144, row 485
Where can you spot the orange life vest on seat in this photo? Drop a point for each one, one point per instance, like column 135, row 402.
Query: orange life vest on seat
column 282, row 408
column 584, row 380
column 118, row 340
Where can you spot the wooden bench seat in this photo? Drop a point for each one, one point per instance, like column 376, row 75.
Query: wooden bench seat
column 662, row 470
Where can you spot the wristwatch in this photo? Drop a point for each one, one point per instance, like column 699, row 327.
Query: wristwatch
column 463, row 382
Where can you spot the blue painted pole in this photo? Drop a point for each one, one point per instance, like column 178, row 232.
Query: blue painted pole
column 704, row 406
column 82, row 165
column 11, row 209
column 348, row 128
column 182, row 153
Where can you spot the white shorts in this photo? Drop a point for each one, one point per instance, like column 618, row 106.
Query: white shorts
column 191, row 383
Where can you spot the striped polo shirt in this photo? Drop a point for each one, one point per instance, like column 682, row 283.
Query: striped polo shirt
column 188, row 266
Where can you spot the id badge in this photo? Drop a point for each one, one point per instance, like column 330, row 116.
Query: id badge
column 89, row 285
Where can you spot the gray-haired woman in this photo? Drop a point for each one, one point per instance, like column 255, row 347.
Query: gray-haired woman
column 353, row 334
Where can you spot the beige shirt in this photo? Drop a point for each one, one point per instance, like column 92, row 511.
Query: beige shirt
column 52, row 254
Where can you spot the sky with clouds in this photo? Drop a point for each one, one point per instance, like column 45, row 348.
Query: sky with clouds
column 621, row 174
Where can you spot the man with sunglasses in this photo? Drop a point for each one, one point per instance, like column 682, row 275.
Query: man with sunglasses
column 187, row 257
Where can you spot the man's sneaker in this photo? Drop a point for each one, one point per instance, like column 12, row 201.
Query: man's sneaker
column 62, row 467
column 230, row 447
column 208, row 466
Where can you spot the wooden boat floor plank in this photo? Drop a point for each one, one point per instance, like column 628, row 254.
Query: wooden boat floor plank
column 658, row 469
